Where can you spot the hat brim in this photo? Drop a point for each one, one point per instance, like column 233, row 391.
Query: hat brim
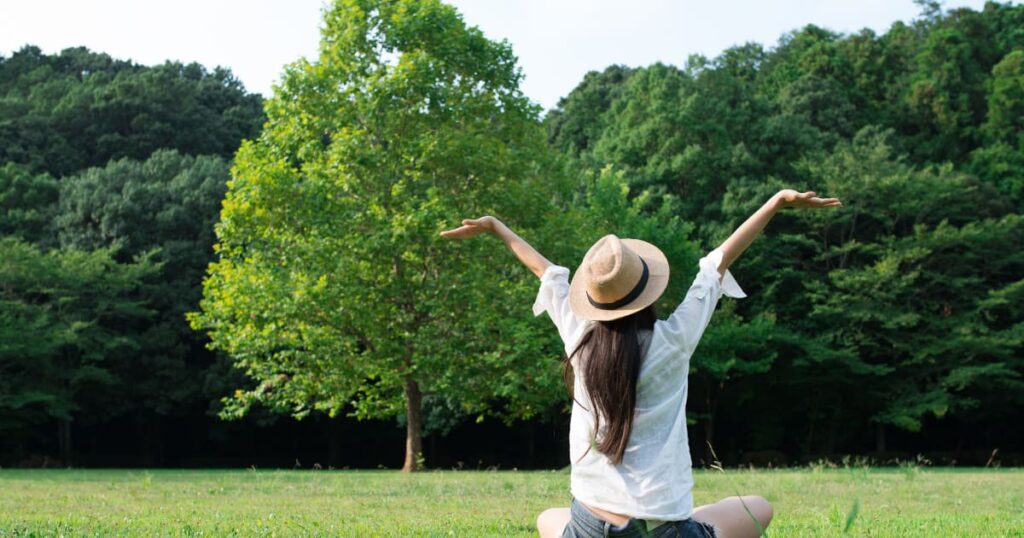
column 657, row 281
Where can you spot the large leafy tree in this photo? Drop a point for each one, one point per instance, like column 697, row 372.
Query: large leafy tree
column 333, row 289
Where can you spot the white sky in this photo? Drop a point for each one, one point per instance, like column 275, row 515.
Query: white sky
column 557, row 41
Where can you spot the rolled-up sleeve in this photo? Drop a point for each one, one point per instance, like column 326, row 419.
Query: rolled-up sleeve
column 687, row 323
column 553, row 298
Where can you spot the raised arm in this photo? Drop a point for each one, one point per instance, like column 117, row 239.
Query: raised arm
column 532, row 259
column 749, row 230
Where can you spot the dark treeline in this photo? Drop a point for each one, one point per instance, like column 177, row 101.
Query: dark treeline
column 891, row 328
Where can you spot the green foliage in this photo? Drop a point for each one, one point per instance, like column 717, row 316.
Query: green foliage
column 62, row 113
column 1001, row 160
column 578, row 120
column 908, row 264
column 333, row 289
column 675, row 132
column 28, row 203
column 167, row 204
column 1005, row 119
column 65, row 112
column 67, row 321
column 58, row 115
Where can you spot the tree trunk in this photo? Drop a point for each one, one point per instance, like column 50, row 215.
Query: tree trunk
column 64, row 441
column 880, row 437
column 413, row 427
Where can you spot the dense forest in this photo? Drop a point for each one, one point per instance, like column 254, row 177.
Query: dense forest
column 111, row 179
column 890, row 328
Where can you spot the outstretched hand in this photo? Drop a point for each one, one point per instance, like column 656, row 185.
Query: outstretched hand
column 809, row 199
column 532, row 259
column 471, row 228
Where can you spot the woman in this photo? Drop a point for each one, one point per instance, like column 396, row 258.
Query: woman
column 631, row 471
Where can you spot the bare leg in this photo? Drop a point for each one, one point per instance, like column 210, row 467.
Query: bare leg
column 731, row 520
column 551, row 522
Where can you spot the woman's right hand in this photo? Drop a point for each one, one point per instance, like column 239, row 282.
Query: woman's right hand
column 472, row 228
column 809, row 199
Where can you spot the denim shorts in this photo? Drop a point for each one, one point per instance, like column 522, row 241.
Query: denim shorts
column 584, row 524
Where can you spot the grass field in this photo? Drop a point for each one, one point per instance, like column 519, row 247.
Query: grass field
column 897, row 502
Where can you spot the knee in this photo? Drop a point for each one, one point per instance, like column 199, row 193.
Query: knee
column 551, row 522
column 761, row 508
column 543, row 518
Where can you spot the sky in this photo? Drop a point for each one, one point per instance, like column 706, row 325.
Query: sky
column 557, row 41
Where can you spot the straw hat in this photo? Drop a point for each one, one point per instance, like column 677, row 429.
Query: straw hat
column 616, row 278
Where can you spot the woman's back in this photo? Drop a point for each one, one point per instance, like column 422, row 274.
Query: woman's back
column 654, row 479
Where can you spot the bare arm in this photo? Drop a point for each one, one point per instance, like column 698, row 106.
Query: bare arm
column 749, row 230
column 532, row 259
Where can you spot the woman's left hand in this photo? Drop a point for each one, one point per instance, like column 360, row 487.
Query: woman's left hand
column 809, row 199
column 472, row 228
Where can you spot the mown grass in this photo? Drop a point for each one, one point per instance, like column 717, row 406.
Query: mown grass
column 905, row 502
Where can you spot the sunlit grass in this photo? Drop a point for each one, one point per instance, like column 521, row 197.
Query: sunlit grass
column 896, row 502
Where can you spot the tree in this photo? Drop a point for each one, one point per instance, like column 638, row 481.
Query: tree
column 1001, row 160
column 333, row 289
column 28, row 203
column 167, row 204
column 67, row 320
column 681, row 131
column 65, row 112
column 645, row 133
column 946, row 101
column 908, row 265
column 577, row 122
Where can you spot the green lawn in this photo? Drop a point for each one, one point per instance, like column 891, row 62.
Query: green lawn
column 809, row 502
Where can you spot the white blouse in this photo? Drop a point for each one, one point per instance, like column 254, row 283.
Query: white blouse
column 654, row 480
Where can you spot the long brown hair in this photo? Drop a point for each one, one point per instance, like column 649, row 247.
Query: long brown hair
column 609, row 355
